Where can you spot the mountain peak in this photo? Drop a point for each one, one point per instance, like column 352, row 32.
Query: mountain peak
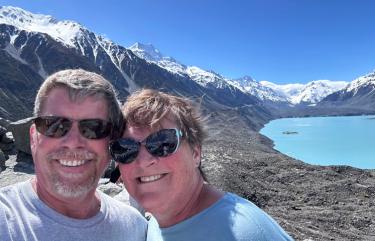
column 245, row 80
column 63, row 31
column 22, row 18
column 368, row 79
column 146, row 51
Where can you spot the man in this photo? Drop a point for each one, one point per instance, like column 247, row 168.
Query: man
column 75, row 114
column 159, row 158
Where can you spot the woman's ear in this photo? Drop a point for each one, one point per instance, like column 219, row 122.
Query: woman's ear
column 196, row 152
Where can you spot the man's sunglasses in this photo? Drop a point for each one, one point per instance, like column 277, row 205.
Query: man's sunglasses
column 56, row 127
column 160, row 144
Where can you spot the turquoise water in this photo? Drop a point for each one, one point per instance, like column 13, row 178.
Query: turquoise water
column 344, row 140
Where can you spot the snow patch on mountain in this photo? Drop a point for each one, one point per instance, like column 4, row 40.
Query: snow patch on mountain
column 200, row 76
column 263, row 92
column 62, row 31
column 363, row 81
column 149, row 53
column 69, row 33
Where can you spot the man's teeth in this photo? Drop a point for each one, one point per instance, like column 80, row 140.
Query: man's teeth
column 150, row 178
column 74, row 163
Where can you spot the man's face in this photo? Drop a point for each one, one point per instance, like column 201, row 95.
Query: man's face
column 69, row 166
column 162, row 185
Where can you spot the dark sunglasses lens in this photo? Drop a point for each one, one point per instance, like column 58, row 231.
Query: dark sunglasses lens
column 52, row 126
column 94, row 128
column 124, row 150
column 162, row 143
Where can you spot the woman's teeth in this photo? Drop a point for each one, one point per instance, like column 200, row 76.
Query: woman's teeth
column 150, row 178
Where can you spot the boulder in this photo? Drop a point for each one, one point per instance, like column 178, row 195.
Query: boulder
column 6, row 139
column 2, row 159
column 20, row 130
column 109, row 188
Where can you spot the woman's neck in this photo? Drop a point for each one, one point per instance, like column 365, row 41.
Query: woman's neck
column 203, row 198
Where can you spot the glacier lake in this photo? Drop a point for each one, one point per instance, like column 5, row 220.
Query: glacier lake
column 342, row 140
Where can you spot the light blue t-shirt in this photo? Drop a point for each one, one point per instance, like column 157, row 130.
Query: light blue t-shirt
column 231, row 218
column 24, row 217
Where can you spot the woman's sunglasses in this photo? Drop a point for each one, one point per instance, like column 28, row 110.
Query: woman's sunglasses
column 56, row 127
column 160, row 144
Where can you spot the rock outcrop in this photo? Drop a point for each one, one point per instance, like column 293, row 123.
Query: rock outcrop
column 20, row 130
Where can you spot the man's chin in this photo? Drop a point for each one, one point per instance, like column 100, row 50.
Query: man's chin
column 75, row 191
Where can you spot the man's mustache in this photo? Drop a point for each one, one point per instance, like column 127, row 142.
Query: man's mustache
column 78, row 154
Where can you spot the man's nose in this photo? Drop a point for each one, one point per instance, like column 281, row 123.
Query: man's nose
column 73, row 138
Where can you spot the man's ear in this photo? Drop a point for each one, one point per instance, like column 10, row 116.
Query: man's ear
column 33, row 135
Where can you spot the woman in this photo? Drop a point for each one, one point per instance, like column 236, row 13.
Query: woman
column 159, row 159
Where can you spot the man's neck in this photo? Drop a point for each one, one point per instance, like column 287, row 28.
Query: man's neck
column 76, row 207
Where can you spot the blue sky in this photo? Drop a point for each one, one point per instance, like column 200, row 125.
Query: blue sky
column 283, row 41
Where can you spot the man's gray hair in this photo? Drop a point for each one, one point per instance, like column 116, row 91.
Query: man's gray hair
column 81, row 84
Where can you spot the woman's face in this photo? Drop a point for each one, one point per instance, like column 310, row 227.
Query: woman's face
column 162, row 185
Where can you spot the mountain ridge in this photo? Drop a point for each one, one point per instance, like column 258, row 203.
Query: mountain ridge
column 309, row 93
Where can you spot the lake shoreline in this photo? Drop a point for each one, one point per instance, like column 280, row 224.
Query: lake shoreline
column 322, row 141
column 310, row 201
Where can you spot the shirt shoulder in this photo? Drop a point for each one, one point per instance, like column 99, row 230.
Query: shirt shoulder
column 231, row 218
column 10, row 195
column 250, row 221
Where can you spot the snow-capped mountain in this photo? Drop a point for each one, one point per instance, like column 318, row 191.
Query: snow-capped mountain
column 363, row 82
column 360, row 92
column 310, row 93
column 315, row 91
column 68, row 33
column 263, row 92
column 151, row 54
column 202, row 77
column 63, row 31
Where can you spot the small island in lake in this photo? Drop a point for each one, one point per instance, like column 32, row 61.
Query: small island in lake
column 290, row 132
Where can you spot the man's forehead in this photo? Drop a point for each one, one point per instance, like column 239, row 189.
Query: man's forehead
column 59, row 101
column 73, row 95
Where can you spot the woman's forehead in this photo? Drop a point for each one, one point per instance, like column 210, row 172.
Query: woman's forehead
column 141, row 130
